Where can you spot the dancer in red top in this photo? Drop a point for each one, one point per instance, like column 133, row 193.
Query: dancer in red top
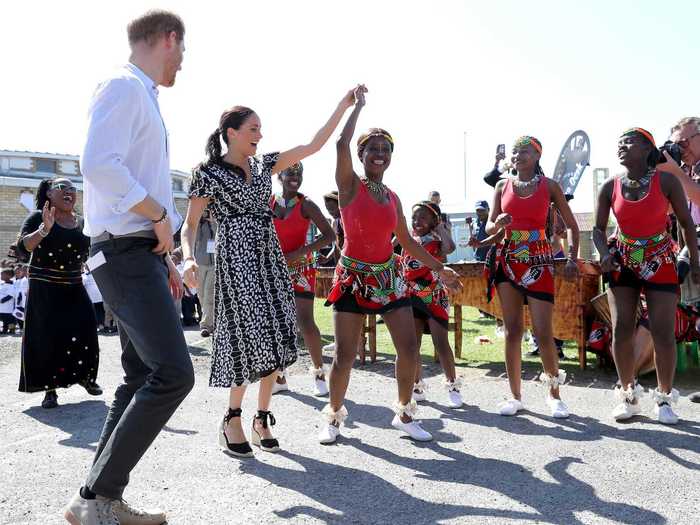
column 368, row 279
column 292, row 215
column 431, row 309
column 641, row 258
column 521, row 267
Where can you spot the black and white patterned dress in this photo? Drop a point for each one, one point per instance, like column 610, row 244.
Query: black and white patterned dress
column 254, row 312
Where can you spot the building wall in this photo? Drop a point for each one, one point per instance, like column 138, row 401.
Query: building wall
column 13, row 213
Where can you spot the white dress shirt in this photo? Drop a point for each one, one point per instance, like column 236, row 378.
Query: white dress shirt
column 126, row 155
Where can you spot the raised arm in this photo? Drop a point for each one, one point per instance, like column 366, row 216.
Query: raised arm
column 294, row 155
column 344, row 174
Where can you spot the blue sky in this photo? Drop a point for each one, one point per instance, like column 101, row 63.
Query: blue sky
column 495, row 70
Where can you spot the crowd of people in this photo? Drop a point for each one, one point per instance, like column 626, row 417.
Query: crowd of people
column 246, row 256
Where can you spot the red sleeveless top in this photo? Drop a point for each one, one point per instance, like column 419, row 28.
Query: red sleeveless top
column 369, row 227
column 528, row 213
column 291, row 230
column 645, row 217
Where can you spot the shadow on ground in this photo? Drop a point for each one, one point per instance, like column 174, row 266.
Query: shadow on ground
column 82, row 421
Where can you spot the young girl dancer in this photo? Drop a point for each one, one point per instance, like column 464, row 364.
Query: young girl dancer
column 431, row 309
column 293, row 213
column 368, row 279
column 641, row 258
column 522, row 267
column 255, row 315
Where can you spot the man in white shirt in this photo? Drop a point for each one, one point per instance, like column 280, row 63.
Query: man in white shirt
column 130, row 217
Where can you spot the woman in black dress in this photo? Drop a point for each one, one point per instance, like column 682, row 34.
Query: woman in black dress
column 59, row 344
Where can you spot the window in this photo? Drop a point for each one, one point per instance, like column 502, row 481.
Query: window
column 177, row 185
column 45, row 165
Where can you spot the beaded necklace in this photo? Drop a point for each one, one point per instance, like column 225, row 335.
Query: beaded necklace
column 379, row 189
column 644, row 180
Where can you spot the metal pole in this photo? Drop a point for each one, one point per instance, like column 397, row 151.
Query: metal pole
column 464, row 146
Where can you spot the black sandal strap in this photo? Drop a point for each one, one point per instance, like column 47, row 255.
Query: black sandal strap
column 264, row 416
column 232, row 412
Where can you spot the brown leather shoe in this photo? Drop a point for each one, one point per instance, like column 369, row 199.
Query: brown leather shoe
column 129, row 515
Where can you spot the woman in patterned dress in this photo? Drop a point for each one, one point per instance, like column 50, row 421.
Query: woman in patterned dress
column 293, row 214
column 521, row 267
column 255, row 327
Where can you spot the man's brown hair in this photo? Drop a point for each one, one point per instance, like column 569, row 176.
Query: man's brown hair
column 154, row 24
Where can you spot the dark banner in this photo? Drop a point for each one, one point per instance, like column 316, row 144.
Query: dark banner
column 573, row 160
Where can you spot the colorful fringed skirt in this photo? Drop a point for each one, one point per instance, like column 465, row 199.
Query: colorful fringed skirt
column 645, row 262
column 303, row 275
column 427, row 292
column 367, row 288
column 524, row 259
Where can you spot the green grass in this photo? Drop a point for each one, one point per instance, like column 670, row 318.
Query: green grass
column 490, row 356
column 473, row 354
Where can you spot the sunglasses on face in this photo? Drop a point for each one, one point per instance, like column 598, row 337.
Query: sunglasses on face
column 63, row 186
column 684, row 143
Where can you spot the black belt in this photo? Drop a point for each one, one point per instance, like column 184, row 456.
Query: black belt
column 106, row 236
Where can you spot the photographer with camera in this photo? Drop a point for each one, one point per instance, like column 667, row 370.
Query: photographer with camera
column 685, row 147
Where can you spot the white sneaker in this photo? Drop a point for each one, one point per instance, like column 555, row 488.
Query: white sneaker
column 419, row 392
column 128, row 515
column 280, row 387
column 413, row 429
column 665, row 414
column 320, row 387
column 454, row 399
column 81, row 511
column 330, row 347
column 328, row 434
column 662, row 406
column 626, row 410
column 330, row 428
column 629, row 405
column 500, row 332
column 454, row 396
column 510, row 407
column 557, row 407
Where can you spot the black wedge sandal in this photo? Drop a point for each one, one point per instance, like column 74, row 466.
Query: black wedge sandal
column 240, row 450
column 268, row 445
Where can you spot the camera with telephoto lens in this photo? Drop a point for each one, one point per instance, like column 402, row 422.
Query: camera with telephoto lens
column 673, row 150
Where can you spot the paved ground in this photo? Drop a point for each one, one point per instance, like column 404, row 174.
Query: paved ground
column 481, row 468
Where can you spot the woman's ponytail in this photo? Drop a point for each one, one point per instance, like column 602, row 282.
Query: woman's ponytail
column 213, row 147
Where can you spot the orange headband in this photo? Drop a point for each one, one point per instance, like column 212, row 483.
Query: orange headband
column 642, row 132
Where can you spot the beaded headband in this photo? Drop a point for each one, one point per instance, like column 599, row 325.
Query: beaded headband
column 429, row 206
column 527, row 140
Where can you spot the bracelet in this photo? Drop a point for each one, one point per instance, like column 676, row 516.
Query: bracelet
column 162, row 217
column 43, row 231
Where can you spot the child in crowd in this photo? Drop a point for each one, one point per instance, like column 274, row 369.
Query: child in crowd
column 429, row 297
column 7, row 301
